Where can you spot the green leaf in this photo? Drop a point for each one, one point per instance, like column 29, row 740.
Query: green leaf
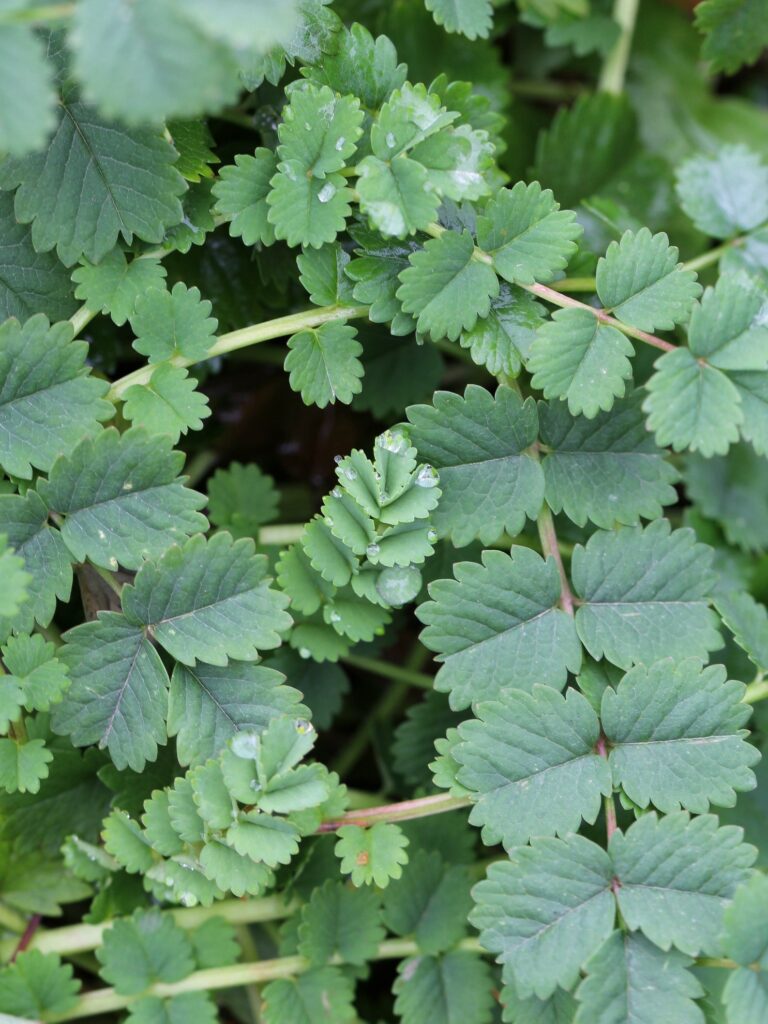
column 497, row 624
column 233, row 873
column 215, row 943
column 396, row 373
column 175, row 323
column 32, row 282
column 263, row 839
column 748, row 621
column 23, row 765
column 208, row 600
column 324, row 995
column 121, row 499
column 735, row 32
column 527, row 234
column 360, row 65
column 95, row 182
column 501, row 341
column 307, row 211
column 339, row 921
column 646, row 594
column 48, row 399
column 324, row 365
column 319, row 131
column 559, row 1008
column 128, row 61
column 448, row 989
column 395, row 195
column 126, row 842
column 728, row 327
column 169, row 403
column 209, row 705
column 16, row 581
column 545, row 912
column 323, row 275
column 145, row 948
column 692, row 405
column 724, row 194
column 376, row 276
column 578, row 358
column 529, row 762
column 119, row 691
column 241, row 499
column 630, row 979
column 413, row 745
column 27, row 97
column 184, row 1008
column 114, row 286
column 473, row 18
column 608, row 469
column 33, row 665
column 241, row 194
column 193, row 141
column 431, row 902
column 745, row 940
column 732, row 491
column 372, row 855
column 38, row 985
column 446, row 288
column 478, row 443
column 677, row 737
column 752, row 392
column 677, row 876
column 641, row 282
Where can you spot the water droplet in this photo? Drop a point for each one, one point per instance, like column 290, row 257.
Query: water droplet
column 307, row 126
column 245, row 745
column 427, row 477
column 303, row 726
column 350, row 473
column 431, row 535
column 113, row 563
column 304, row 652
column 188, row 899
column 373, row 550
column 336, row 492
column 326, row 193
column 340, row 143
column 127, row 486
column 255, row 786
column 393, row 441
column 335, row 617
column 383, row 496
column 390, row 140
column 337, row 459
column 398, row 586
column 329, row 522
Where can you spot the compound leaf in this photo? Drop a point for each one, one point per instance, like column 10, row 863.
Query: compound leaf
column 319, row 131
column 324, row 364
column 175, row 323
column 372, row 855
column 169, row 403
column 114, row 285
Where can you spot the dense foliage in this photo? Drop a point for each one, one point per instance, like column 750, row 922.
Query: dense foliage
column 513, row 258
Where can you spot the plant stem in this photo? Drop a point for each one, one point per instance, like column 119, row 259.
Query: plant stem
column 253, row 335
column 614, row 69
column 11, row 919
column 41, row 14
column 107, row 1000
column 756, row 690
column 281, row 533
column 407, row 810
column 551, row 548
column 713, row 255
column 81, row 318
column 395, row 672
column 576, row 284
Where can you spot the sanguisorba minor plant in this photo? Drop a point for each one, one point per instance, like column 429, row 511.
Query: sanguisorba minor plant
column 512, row 259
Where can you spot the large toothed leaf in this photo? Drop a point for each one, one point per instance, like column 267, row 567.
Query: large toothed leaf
column 395, row 195
column 208, row 600
column 324, row 364
column 677, row 736
column 241, row 194
column 735, row 33
column 121, row 499
column 640, row 281
column 692, row 405
column 529, row 762
column 646, row 595
column 210, row 704
column 307, row 211
column 728, row 328
column 726, row 193
column 631, row 981
column 361, row 65
column 93, row 183
column 478, row 443
column 497, row 624
column 450, row 989
column 527, row 234
column 319, row 131
column 748, row 621
column 446, row 288
column 545, row 911
column 677, row 875
column 115, row 285
column 580, row 359
column 119, row 691
column 48, row 399
column 608, row 469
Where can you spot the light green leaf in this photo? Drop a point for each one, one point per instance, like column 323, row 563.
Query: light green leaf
column 324, row 995
column 263, row 839
column 692, row 405
column 360, row 65
column 209, row 599
column 23, row 765
column 96, row 182
column 34, row 667
column 529, row 762
column 726, row 193
column 37, row 986
column 376, row 276
column 559, row 1008
column 752, row 392
column 125, row 841
column 745, row 940
column 446, row 288
column 501, row 341
column 431, row 902
column 497, row 624
column 748, row 621
column 307, row 211
column 241, row 194
column 233, row 873
column 545, row 911
column 169, row 403
column 646, row 593
column 728, row 328
column 119, row 691
column 339, row 921
column 395, row 196
column 529, row 237
column 607, row 469
column 677, row 875
column 324, row 365
column 241, row 499
column 578, row 358
column 192, row 140
column 142, row 949
column 175, row 323
column 121, row 499
column 322, row 275
column 735, row 32
column 27, row 97
column 48, row 399
column 114, row 286
column 372, row 855
column 641, row 282
column 449, row 989
column 631, row 981
column 16, row 581
column 319, row 131
column 472, row 18
column 184, row 1008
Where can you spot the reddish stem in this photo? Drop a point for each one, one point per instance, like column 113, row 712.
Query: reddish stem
column 32, row 925
column 422, row 807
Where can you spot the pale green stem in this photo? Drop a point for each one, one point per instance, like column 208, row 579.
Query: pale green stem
column 614, row 69
column 406, row 810
column 12, row 921
column 253, row 335
column 281, row 533
column 551, row 549
column 756, row 690
column 39, row 15
column 395, row 672
column 107, row 1000
column 576, row 284
column 81, row 318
